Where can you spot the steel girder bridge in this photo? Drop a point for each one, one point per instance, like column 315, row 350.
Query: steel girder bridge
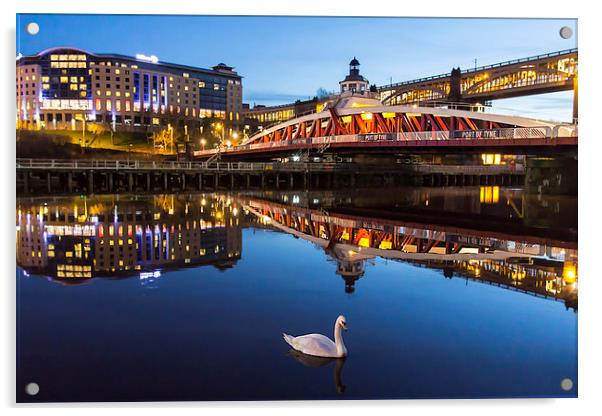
column 358, row 126
column 552, row 72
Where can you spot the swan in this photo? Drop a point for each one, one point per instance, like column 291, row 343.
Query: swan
column 319, row 345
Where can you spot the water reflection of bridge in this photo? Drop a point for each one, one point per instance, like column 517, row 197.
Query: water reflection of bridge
column 542, row 267
column 75, row 239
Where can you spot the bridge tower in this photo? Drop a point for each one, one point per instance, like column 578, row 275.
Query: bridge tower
column 455, row 92
column 354, row 83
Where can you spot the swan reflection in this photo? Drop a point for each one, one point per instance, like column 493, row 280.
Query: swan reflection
column 316, row 362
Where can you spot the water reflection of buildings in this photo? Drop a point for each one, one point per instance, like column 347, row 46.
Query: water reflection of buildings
column 75, row 239
column 518, row 261
column 78, row 238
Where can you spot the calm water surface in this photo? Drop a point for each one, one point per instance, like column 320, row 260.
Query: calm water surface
column 448, row 293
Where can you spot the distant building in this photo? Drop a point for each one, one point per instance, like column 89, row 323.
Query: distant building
column 61, row 88
column 354, row 83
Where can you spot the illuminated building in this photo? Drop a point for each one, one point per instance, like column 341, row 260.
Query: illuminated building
column 65, row 88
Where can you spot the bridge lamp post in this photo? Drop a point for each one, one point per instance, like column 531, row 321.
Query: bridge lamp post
column 203, row 143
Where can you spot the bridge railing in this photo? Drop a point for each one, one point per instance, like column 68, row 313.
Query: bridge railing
column 543, row 132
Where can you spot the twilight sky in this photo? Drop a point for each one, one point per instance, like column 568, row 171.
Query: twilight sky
column 286, row 58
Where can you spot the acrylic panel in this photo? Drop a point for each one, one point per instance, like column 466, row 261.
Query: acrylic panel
column 295, row 208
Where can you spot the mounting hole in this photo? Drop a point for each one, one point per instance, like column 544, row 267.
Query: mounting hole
column 32, row 389
column 566, row 384
column 566, row 32
column 33, row 28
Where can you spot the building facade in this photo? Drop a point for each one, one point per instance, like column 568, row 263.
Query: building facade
column 65, row 88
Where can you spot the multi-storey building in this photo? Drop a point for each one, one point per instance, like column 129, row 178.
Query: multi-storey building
column 65, row 88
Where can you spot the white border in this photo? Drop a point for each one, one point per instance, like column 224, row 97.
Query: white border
column 590, row 152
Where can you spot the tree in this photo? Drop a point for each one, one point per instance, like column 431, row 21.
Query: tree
column 373, row 88
column 321, row 93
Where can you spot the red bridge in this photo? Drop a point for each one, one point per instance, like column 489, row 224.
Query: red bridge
column 359, row 124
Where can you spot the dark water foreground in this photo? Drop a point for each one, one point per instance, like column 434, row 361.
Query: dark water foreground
column 448, row 293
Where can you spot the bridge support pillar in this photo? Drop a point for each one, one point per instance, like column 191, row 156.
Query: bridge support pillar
column 26, row 182
column 575, row 100
column 110, row 182
column 216, row 180
column 232, row 181
column 352, row 180
column 165, row 181
column 70, row 182
column 200, row 181
column 248, row 181
column 148, row 181
column 552, row 175
column 263, row 180
column 291, row 180
column 91, row 182
column 130, row 182
column 49, row 182
column 183, row 181
column 277, row 181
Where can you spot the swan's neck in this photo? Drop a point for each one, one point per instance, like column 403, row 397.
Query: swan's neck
column 338, row 340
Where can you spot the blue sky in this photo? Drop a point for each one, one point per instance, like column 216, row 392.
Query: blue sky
column 286, row 58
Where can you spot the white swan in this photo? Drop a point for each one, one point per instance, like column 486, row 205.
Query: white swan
column 319, row 345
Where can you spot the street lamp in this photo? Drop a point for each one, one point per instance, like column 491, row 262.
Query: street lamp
column 203, row 143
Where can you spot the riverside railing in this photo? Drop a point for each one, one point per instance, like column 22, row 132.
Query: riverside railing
column 175, row 166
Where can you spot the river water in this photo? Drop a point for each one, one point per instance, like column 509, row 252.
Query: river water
column 448, row 293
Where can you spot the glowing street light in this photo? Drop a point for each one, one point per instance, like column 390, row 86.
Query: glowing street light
column 203, row 143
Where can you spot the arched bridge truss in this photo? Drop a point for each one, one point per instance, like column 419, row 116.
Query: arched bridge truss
column 552, row 72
